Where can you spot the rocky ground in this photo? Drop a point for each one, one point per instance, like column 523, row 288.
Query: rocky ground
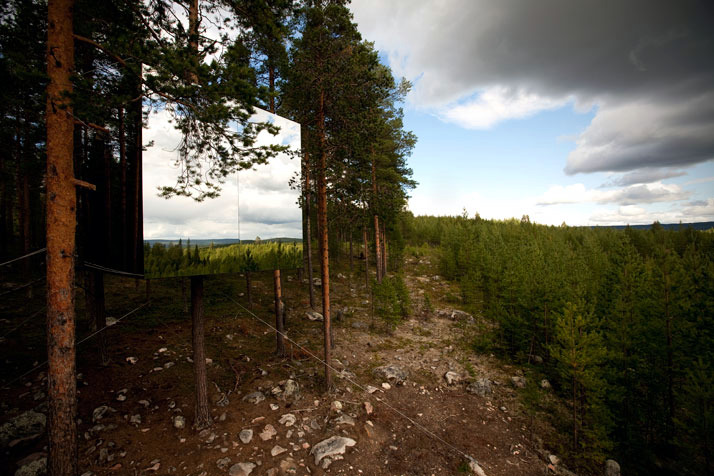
column 418, row 401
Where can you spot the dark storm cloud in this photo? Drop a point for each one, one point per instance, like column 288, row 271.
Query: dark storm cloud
column 648, row 67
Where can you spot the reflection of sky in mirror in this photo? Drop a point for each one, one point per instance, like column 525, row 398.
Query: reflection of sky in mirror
column 268, row 206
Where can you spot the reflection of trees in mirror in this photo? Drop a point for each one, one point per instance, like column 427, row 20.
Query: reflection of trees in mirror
column 175, row 259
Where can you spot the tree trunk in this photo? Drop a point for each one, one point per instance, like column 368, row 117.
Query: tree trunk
column 384, row 250
column 203, row 412
column 308, row 236
column 107, row 182
column 324, row 247
column 123, row 167
column 138, row 228
column 365, row 244
column 377, row 246
column 61, row 222
column 352, row 267
column 271, row 86
column 278, row 314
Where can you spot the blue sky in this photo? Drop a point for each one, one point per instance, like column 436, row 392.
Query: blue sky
column 506, row 99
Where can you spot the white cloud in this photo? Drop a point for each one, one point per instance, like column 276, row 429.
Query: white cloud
column 497, row 104
column 632, row 195
column 631, row 215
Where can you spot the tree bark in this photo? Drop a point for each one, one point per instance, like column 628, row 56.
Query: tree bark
column 61, row 222
column 384, row 250
column 123, row 167
column 278, row 314
column 308, row 236
column 203, row 412
column 365, row 245
column 377, row 246
column 324, row 247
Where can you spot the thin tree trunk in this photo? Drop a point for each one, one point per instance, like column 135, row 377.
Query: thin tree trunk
column 308, row 236
column 107, row 169
column 324, row 247
column 123, row 167
column 61, row 221
column 377, row 246
column 271, row 87
column 203, row 412
column 137, row 239
column 384, row 250
column 365, row 244
column 278, row 314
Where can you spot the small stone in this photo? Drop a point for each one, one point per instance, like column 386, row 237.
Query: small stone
column 246, row 436
column 274, row 406
column 288, row 419
column 452, row 378
column 121, row 397
column 314, row 316
column 344, row 420
column 268, row 432
column 277, row 449
column 386, row 386
column 371, row 389
column 481, row 387
column 132, row 360
column 100, row 412
column 168, row 365
column 474, row 467
column 241, row 469
column 255, row 397
column 135, row 419
column 145, row 403
column 336, row 406
column 554, row 460
column 331, row 447
column 179, row 422
column 223, row 463
column 391, row 373
column 544, row 384
column 518, row 382
column 291, row 389
column 368, row 408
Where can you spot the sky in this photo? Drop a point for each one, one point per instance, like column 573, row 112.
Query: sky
column 253, row 203
column 586, row 112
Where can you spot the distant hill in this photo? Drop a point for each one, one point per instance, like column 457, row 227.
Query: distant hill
column 223, row 241
column 703, row 225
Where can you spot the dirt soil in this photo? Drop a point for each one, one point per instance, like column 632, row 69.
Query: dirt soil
column 422, row 427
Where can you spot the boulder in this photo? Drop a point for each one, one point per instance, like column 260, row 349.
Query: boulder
column 392, row 373
column 481, row 387
column 335, row 445
column 26, row 426
column 35, row 468
column 612, row 468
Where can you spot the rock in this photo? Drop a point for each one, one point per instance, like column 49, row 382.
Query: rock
column 452, row 378
column 268, row 432
column 554, row 460
column 277, row 449
column 314, row 316
column 518, row 382
column 371, row 389
column 359, row 325
column 481, row 387
column 291, row 389
column 274, row 406
column 316, row 282
column 35, row 468
column 246, row 435
column 179, row 422
column 341, row 276
column 544, row 384
column 368, row 408
column 223, row 463
column 100, row 412
column 111, row 321
column 392, row 373
column 121, row 397
column 612, row 468
column 537, row 359
column 27, row 425
column 241, row 469
column 474, row 467
column 132, row 360
column 255, row 397
column 288, row 419
column 336, row 406
column 135, row 419
column 335, row 445
column 344, row 420
column 288, row 466
column 454, row 315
